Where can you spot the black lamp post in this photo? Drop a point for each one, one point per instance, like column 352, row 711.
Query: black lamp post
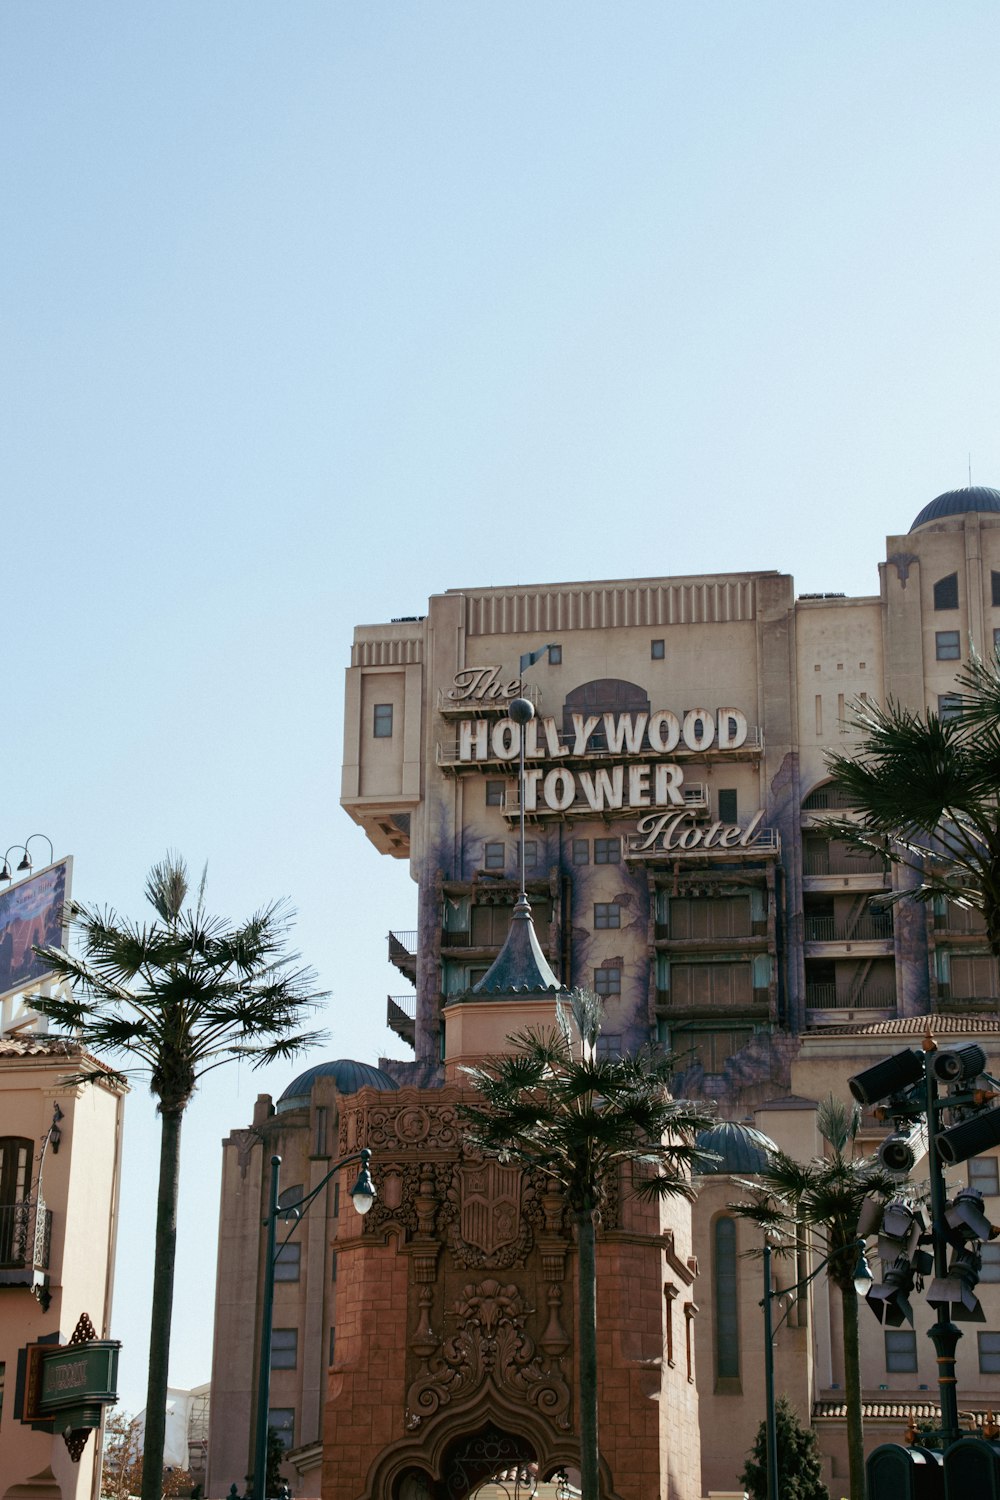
column 862, row 1283
column 363, row 1196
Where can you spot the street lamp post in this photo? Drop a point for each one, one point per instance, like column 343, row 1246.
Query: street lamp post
column 363, row 1196
column 772, row 1432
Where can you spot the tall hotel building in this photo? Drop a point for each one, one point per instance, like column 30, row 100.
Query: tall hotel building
column 675, row 796
column 677, row 863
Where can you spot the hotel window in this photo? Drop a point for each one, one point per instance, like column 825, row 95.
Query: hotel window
column 901, row 1350
column 286, row 1263
column 284, row 1348
column 608, row 981
column 947, row 646
column 949, row 706
column 727, row 1328
column 333, row 1266
column 609, row 1045
column 657, row 650
column 382, row 724
column 494, row 857
column 607, row 914
column 990, row 1257
column 983, row 1174
column 494, row 793
column 996, row 643
column 555, row 656
column 995, row 588
column 581, row 851
column 607, row 851
column 530, row 854
column 946, row 592
column 333, row 1344
column 728, row 812
column 282, row 1419
column 989, row 1353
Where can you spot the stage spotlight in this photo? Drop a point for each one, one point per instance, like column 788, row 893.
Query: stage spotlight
column 970, row 1138
column 891, row 1076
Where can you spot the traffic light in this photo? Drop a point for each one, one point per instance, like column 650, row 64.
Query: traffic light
column 891, row 1076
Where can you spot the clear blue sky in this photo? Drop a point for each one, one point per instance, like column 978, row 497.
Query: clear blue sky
column 311, row 310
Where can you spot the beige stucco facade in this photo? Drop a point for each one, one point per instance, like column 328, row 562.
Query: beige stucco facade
column 61, row 1149
column 676, row 862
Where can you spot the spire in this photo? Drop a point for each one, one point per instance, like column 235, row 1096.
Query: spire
column 520, row 968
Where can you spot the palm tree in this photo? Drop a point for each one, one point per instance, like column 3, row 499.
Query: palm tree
column 554, row 1105
column 824, row 1197
column 173, row 999
column 926, row 793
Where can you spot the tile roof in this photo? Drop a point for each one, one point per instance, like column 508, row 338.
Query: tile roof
column 950, row 1025
column 36, row 1044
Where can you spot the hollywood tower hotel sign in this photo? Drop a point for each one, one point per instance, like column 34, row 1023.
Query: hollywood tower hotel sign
column 616, row 765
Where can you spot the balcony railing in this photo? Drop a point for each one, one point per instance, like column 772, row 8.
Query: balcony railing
column 25, row 1240
column 448, row 753
column 841, row 859
column 871, row 997
column 403, row 953
column 401, row 1016
column 872, row 927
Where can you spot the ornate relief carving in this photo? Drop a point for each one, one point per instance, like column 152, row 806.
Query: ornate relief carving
column 488, row 1214
column 491, row 1344
column 400, row 1126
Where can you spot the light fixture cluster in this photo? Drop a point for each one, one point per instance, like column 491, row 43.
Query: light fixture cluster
column 897, row 1091
column 25, row 865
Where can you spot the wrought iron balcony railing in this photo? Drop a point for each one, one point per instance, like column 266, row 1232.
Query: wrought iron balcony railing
column 25, row 1240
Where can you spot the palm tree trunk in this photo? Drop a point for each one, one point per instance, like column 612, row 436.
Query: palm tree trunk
column 587, row 1355
column 163, row 1301
column 852, row 1390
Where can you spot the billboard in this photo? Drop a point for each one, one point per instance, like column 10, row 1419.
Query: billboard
column 31, row 912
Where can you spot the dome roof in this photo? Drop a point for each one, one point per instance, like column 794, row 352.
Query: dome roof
column 348, row 1076
column 739, row 1148
column 957, row 502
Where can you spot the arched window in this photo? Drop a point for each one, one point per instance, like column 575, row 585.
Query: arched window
column 946, row 592
column 15, row 1189
column 727, row 1322
column 605, row 695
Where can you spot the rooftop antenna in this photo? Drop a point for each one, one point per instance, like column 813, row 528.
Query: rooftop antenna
column 522, row 711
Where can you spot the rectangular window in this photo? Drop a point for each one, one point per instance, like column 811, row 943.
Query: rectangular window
column 333, row 1344
column 946, row 645
column 383, row 721
column 609, row 1044
column 282, row 1419
column 727, row 805
column 607, row 914
column 990, row 1254
column 494, row 857
column 607, row 851
column 901, row 1350
column 530, row 854
column 286, row 1263
column 581, row 851
column 996, row 643
column 711, row 986
column 494, row 793
column 995, row 589
column 989, row 1353
column 284, row 1348
column 949, row 706
column 333, row 1266
column 983, row 1174
column 335, row 1213
column 555, row 656
column 657, row 650
column 693, row 917
column 608, row 981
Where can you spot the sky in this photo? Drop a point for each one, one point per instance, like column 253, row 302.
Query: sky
column 311, row 310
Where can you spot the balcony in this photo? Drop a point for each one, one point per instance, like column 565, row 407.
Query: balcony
column 869, row 997
column 403, row 953
column 401, row 1017
column 834, row 857
column 875, row 926
column 25, row 1242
